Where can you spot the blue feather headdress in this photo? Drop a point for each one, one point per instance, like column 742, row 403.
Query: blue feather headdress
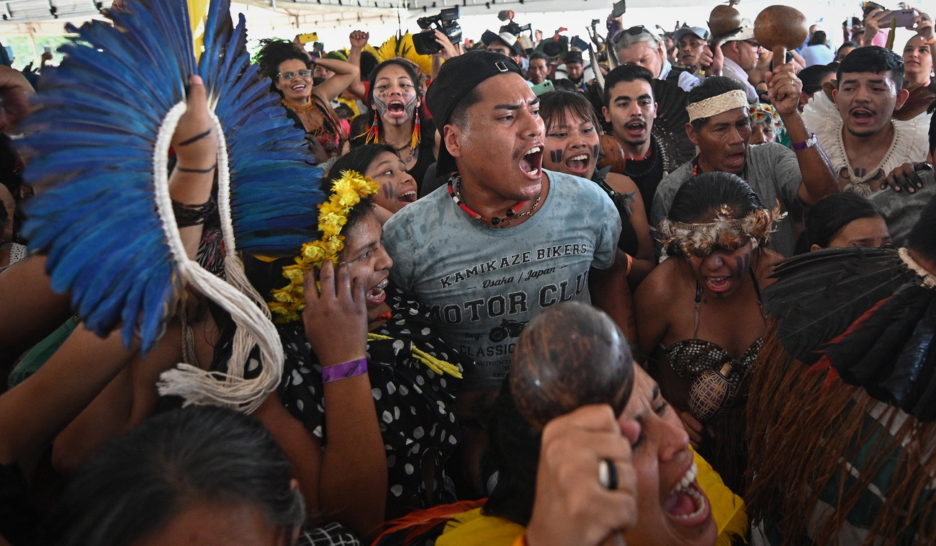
column 99, row 145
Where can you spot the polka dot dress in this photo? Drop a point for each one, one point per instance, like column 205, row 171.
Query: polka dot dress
column 415, row 406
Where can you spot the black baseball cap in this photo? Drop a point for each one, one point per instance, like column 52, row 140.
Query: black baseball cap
column 459, row 76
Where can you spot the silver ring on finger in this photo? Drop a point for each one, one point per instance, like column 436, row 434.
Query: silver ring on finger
column 607, row 474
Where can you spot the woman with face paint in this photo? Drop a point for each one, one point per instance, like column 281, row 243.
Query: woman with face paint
column 700, row 316
column 381, row 164
column 290, row 72
column 572, row 147
column 395, row 97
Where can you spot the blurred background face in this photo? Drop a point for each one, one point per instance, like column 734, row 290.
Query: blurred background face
column 645, row 54
column 762, row 133
column 537, row 71
column 863, row 232
column 690, row 50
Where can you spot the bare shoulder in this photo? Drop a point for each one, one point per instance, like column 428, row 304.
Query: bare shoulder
column 664, row 285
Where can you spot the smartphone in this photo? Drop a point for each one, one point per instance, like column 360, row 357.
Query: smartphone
column 618, row 8
column 905, row 18
column 308, row 37
column 544, row 87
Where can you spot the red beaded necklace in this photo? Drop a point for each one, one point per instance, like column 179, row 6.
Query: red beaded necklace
column 512, row 212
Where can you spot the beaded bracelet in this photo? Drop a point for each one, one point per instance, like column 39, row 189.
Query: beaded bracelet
column 344, row 371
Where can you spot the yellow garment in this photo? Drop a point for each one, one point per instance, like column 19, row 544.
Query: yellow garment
column 728, row 509
column 198, row 11
column 471, row 528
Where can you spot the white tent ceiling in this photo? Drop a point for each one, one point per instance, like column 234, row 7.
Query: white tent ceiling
column 333, row 19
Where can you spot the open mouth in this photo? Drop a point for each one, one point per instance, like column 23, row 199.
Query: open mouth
column 578, row 163
column 377, row 294
column 532, row 161
column 408, row 197
column 861, row 114
column 636, row 126
column 686, row 503
column 718, row 284
column 396, row 108
column 299, row 87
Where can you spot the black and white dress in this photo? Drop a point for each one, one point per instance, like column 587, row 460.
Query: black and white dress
column 415, row 405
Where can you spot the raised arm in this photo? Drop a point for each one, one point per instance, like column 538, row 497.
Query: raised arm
column 345, row 74
column 784, row 89
column 348, row 478
column 358, row 40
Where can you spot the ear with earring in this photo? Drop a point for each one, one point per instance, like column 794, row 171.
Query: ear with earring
column 417, row 133
column 373, row 132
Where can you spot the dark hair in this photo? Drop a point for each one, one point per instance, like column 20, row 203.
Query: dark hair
column 710, row 87
column 877, row 60
column 845, row 44
column 555, row 103
column 459, row 115
column 514, row 455
column 922, row 238
column 831, row 214
column 538, row 55
column 625, row 73
column 818, row 38
column 138, row 482
column 273, row 53
column 358, row 159
column 267, row 275
column 564, row 84
column 932, row 133
column 701, row 197
column 811, row 76
column 368, row 62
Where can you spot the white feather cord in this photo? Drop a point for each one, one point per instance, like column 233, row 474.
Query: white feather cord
column 253, row 324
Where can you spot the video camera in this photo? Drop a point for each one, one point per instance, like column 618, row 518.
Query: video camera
column 515, row 29
column 446, row 22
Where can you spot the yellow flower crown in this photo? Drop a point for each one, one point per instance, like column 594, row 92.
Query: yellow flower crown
column 346, row 193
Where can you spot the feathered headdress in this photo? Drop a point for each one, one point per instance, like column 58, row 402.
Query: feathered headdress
column 100, row 143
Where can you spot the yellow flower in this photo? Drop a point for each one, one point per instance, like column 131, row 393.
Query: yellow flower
column 346, row 193
column 313, row 252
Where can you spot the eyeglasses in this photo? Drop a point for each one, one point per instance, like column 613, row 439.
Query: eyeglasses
column 290, row 75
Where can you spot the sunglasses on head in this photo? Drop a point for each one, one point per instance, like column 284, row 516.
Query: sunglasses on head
column 290, row 75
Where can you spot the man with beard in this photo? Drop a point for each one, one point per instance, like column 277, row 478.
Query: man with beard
column 863, row 142
column 505, row 239
column 721, row 130
column 630, row 108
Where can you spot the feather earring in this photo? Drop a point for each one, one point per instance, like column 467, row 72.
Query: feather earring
column 373, row 132
column 417, row 134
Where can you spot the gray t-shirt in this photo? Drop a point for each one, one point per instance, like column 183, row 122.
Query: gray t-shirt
column 484, row 284
column 773, row 172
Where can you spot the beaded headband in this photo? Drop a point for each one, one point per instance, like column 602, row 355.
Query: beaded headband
column 713, row 106
column 725, row 232
column 346, row 193
column 765, row 113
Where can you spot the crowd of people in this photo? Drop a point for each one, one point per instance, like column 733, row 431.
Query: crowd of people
column 653, row 288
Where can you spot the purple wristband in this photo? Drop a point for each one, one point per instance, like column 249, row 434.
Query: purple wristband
column 344, row 371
